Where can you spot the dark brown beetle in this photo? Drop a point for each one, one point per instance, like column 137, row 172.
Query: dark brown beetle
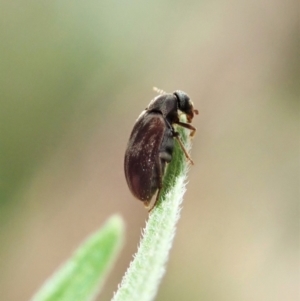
column 151, row 143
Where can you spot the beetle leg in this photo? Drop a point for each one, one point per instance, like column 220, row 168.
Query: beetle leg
column 157, row 197
column 162, row 158
column 176, row 135
column 188, row 126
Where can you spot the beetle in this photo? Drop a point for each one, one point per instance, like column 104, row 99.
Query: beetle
column 151, row 143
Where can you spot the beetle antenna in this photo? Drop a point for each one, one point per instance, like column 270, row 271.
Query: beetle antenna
column 159, row 91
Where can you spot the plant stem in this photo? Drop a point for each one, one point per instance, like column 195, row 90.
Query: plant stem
column 141, row 280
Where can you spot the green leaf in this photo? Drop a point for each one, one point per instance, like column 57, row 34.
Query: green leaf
column 141, row 280
column 83, row 275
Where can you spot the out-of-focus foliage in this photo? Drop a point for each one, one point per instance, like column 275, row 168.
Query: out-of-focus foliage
column 74, row 76
column 82, row 276
column 50, row 53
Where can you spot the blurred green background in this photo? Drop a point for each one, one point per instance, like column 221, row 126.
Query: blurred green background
column 75, row 75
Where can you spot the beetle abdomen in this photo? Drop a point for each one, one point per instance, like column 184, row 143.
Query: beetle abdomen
column 142, row 155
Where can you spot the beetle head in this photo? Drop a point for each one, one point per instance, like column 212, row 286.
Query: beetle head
column 185, row 105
